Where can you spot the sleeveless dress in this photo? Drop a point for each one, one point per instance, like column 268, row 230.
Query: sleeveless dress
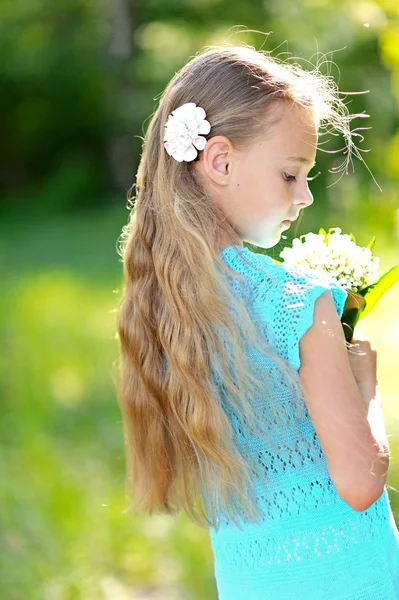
column 310, row 544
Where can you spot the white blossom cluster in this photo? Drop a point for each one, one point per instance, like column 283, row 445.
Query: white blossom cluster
column 352, row 266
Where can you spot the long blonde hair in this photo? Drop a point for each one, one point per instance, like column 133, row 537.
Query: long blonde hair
column 184, row 367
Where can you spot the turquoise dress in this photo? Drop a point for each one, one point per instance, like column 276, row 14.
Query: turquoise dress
column 310, row 544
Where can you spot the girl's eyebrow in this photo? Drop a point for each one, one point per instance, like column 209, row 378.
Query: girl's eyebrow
column 301, row 159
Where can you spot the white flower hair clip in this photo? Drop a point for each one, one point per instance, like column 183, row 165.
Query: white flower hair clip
column 183, row 131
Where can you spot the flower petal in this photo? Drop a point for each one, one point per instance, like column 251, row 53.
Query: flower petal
column 170, row 135
column 178, row 154
column 175, row 128
column 200, row 142
column 187, row 107
column 170, row 147
column 191, row 123
column 204, row 127
column 190, row 153
column 199, row 113
column 174, row 147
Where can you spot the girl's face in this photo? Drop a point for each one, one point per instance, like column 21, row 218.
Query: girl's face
column 262, row 186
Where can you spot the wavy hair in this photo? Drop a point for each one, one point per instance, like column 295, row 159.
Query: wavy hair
column 184, row 368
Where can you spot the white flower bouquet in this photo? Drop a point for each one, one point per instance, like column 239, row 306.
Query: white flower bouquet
column 353, row 267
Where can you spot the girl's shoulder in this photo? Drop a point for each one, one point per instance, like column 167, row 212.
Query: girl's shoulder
column 276, row 277
column 282, row 296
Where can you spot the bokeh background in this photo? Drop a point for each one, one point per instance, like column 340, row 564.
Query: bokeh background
column 79, row 81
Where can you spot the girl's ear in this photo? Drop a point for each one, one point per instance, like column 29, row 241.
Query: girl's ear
column 215, row 159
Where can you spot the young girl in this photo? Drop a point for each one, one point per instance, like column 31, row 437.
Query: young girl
column 240, row 401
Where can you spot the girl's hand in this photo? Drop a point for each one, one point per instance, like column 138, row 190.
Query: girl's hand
column 363, row 362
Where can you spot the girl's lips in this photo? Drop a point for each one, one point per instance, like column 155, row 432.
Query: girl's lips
column 286, row 223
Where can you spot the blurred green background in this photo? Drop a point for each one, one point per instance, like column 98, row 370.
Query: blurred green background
column 79, row 81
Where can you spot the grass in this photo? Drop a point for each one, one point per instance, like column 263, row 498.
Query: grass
column 65, row 531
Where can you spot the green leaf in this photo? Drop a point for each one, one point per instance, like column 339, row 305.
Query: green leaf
column 371, row 243
column 373, row 292
column 352, row 237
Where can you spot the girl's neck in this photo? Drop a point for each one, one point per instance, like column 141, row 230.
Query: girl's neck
column 228, row 238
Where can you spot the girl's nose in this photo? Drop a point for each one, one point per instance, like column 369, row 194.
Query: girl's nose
column 304, row 198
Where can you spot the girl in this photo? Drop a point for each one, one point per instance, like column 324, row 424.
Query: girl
column 241, row 404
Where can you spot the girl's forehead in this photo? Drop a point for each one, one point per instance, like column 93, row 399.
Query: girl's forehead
column 295, row 122
column 291, row 138
column 294, row 133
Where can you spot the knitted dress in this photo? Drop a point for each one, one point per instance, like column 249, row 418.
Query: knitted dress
column 310, row 544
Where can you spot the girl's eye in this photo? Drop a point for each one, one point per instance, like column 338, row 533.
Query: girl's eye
column 289, row 177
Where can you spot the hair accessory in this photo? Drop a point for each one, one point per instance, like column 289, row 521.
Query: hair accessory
column 182, row 132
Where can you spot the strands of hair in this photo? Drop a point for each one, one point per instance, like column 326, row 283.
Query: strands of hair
column 184, row 336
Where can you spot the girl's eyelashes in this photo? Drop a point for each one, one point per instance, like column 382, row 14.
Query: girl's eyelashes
column 289, row 177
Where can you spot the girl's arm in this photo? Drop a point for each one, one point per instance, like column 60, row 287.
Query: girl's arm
column 344, row 415
column 375, row 416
